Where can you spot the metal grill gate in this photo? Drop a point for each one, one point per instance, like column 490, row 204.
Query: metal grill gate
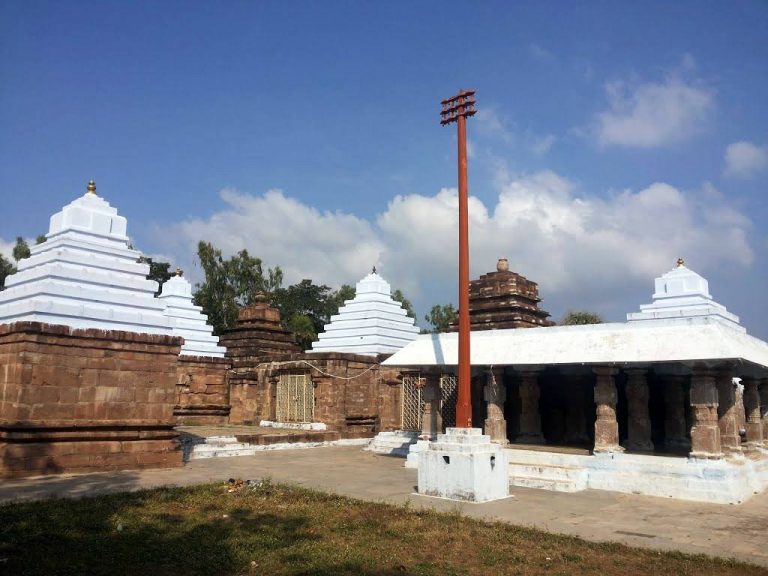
column 412, row 406
column 295, row 398
column 448, row 396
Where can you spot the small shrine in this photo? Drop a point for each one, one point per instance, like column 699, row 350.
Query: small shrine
column 85, row 275
column 371, row 323
column 258, row 334
column 504, row 299
column 682, row 295
column 189, row 322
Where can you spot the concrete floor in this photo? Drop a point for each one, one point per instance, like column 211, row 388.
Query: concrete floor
column 738, row 531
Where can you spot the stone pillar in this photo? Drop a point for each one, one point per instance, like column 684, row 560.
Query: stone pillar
column 763, row 391
column 575, row 420
column 674, row 414
column 495, row 395
column 430, row 395
column 530, row 418
column 752, row 407
column 638, row 419
column 705, row 432
column 727, row 415
column 606, row 426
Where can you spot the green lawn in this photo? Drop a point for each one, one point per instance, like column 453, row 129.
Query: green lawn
column 276, row 529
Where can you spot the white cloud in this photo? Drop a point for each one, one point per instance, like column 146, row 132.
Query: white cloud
column 6, row 249
column 540, row 145
column 584, row 250
column 744, row 159
column 328, row 247
column 652, row 114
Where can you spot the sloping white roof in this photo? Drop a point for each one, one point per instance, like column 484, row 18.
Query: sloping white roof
column 652, row 342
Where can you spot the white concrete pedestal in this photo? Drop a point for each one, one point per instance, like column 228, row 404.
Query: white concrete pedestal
column 463, row 464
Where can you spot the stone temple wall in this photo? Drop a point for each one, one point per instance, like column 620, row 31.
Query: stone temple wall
column 353, row 394
column 80, row 400
column 202, row 390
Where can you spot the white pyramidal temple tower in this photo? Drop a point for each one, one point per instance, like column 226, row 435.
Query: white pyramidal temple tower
column 85, row 275
column 188, row 320
column 371, row 323
column 682, row 295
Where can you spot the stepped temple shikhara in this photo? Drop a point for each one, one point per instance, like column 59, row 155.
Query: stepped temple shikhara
column 98, row 373
column 504, row 299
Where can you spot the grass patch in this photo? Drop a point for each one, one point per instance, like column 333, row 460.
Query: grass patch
column 276, row 529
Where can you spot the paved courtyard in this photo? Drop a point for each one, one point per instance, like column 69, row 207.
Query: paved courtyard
column 724, row 530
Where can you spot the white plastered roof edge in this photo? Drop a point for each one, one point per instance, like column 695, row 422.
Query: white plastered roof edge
column 647, row 342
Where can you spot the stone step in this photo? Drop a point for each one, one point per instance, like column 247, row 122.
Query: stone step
column 544, row 483
column 219, row 447
column 393, row 443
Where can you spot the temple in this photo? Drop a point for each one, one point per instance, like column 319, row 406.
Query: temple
column 371, row 323
column 85, row 275
column 594, row 406
column 504, row 299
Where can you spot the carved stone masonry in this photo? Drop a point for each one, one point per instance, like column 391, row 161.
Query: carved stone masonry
column 764, row 408
column 495, row 395
column 752, row 408
column 674, row 414
column 430, row 395
column 726, row 410
column 638, row 420
column 530, row 419
column 606, row 426
column 705, row 431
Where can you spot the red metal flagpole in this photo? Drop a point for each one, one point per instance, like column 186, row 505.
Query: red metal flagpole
column 456, row 109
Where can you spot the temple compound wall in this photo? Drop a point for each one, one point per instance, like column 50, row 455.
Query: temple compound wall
column 82, row 400
column 202, row 390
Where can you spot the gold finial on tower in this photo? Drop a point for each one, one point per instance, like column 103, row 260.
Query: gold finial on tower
column 680, row 262
column 179, row 272
column 91, row 187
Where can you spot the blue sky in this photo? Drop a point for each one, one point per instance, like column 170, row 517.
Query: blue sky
column 612, row 137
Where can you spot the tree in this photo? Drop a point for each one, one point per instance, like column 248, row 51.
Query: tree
column 579, row 317
column 158, row 271
column 21, row 250
column 441, row 317
column 6, row 269
column 398, row 296
column 230, row 284
column 40, row 239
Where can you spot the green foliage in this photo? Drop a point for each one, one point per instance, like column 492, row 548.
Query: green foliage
column 441, row 316
column 21, row 250
column 40, row 239
column 158, row 271
column 398, row 296
column 230, row 284
column 578, row 317
column 6, row 269
column 305, row 308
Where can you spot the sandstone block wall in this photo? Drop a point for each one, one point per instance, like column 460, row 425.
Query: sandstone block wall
column 354, row 395
column 202, row 390
column 85, row 400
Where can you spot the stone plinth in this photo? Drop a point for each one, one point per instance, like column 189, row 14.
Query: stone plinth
column 495, row 394
column 85, row 275
column 85, row 400
column 371, row 323
column 727, row 416
column 504, row 299
column 202, row 390
column 463, row 464
column 752, row 408
column 189, row 322
column 257, row 334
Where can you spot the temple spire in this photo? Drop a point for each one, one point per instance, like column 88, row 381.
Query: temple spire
column 91, row 187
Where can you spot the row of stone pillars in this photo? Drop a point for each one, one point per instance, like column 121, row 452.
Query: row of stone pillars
column 714, row 427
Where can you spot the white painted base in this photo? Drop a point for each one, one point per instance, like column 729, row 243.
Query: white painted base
column 294, row 425
column 393, row 443
column 225, row 446
column 728, row 481
column 463, row 464
column 414, row 454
